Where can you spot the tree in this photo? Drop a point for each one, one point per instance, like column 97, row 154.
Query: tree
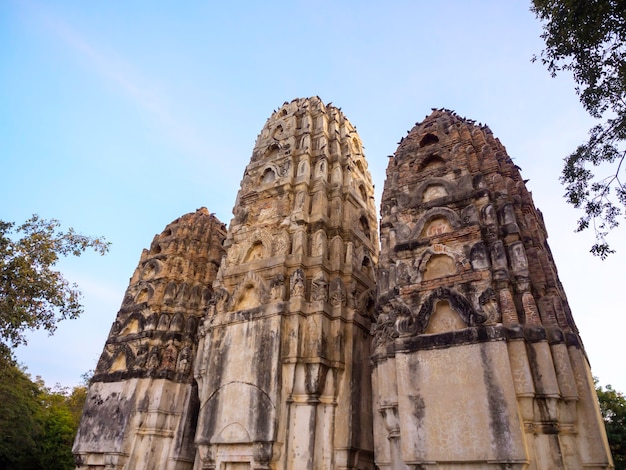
column 613, row 409
column 32, row 294
column 19, row 410
column 588, row 39
column 58, row 429
column 37, row 424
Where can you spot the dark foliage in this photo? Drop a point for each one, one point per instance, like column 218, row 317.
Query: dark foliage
column 588, row 39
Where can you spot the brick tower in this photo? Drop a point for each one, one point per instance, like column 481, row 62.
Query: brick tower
column 142, row 403
column 283, row 367
column 477, row 360
column 286, row 343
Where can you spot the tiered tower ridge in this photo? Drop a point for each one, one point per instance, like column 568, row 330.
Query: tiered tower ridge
column 286, row 340
column 477, row 358
column 142, row 404
column 290, row 342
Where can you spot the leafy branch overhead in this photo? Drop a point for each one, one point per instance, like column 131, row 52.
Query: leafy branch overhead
column 588, row 39
column 33, row 294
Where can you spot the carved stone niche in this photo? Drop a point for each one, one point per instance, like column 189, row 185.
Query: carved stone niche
column 436, row 221
column 439, row 265
column 443, row 310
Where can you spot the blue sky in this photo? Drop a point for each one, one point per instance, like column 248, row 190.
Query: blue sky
column 116, row 118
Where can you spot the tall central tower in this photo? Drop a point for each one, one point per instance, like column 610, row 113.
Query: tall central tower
column 283, row 364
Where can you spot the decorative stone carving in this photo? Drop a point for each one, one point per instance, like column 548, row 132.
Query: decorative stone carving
column 297, row 283
column 337, row 293
column 453, row 326
column 465, row 372
column 489, row 304
column 319, row 288
column 277, row 288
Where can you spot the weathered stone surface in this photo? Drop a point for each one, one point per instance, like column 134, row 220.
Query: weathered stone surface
column 452, row 348
column 142, row 403
column 283, row 366
column 477, row 358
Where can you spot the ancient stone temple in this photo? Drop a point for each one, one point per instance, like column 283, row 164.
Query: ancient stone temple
column 283, row 364
column 142, row 403
column 477, row 361
column 289, row 342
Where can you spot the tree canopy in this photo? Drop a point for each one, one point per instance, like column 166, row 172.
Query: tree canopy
column 588, row 39
column 37, row 424
column 613, row 409
column 33, row 294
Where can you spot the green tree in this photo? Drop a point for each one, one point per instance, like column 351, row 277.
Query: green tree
column 588, row 39
column 33, row 294
column 19, row 418
column 613, row 409
column 37, row 424
column 58, row 430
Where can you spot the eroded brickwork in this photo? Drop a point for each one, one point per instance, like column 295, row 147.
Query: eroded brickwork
column 287, row 334
column 477, row 359
column 142, row 403
column 290, row 342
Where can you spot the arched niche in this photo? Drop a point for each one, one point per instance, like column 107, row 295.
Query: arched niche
column 365, row 227
column 437, row 225
column 434, row 191
column 363, row 192
column 438, row 266
column 170, row 293
column 119, row 363
column 250, row 293
column 144, row 294
column 259, row 246
column 303, row 169
column 151, row 269
column 278, row 131
column 443, row 310
column 444, row 318
column 133, row 325
column 268, row 176
column 254, row 252
column 428, row 139
column 321, row 169
column 271, row 152
column 432, row 188
column 196, row 299
column 183, row 294
column 164, row 322
column 431, row 162
column 177, row 323
column 249, row 298
column 434, row 218
column 367, row 266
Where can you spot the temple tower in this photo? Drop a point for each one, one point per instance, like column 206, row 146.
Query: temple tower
column 477, row 360
column 283, row 366
column 142, row 404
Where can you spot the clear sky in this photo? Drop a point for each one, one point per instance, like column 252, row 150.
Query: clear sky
column 118, row 117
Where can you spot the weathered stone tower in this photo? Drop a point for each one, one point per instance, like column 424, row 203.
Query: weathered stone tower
column 283, row 369
column 477, row 361
column 286, row 343
column 142, row 404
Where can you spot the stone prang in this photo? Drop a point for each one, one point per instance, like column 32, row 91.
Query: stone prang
column 476, row 357
column 289, row 341
column 142, row 403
